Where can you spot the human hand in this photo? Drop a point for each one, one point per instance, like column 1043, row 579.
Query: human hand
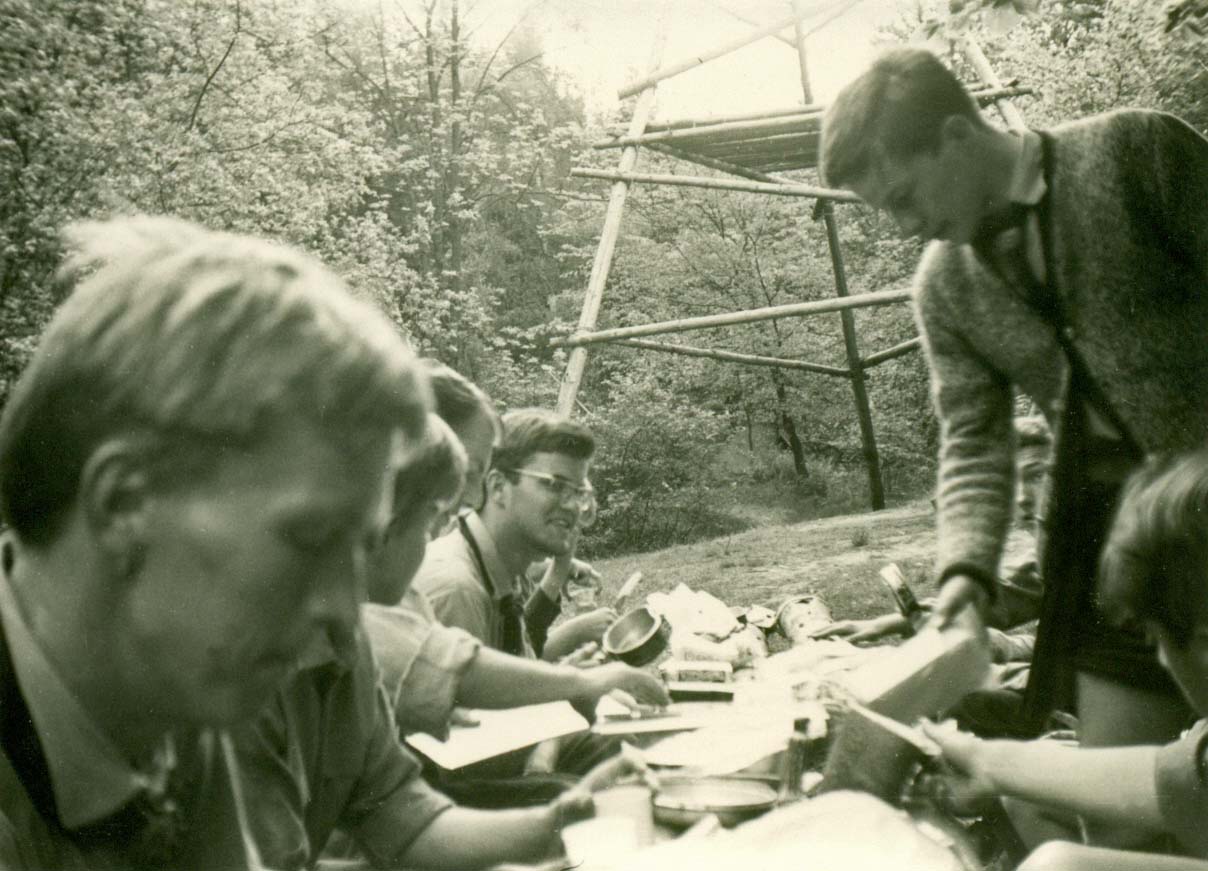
column 629, row 765
column 580, row 570
column 587, row 655
column 644, row 688
column 576, row 803
column 968, row 786
column 872, row 629
column 565, row 567
column 956, row 596
column 589, row 627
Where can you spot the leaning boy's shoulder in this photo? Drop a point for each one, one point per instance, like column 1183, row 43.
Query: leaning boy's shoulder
column 448, row 563
column 1128, row 123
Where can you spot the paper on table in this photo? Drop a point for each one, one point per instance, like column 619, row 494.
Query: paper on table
column 613, row 718
column 742, row 739
column 720, row 749
column 499, row 732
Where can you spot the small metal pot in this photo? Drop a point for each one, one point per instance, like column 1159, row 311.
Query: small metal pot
column 637, row 637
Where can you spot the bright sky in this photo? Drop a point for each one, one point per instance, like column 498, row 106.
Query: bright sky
column 603, row 44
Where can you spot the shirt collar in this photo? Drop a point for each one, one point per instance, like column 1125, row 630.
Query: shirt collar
column 502, row 581
column 323, row 651
column 1027, row 185
column 90, row 777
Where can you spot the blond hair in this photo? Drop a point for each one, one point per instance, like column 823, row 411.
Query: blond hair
column 199, row 342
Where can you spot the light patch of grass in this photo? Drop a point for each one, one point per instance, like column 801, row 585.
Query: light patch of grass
column 765, row 566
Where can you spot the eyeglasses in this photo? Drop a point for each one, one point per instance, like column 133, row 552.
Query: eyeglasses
column 581, row 497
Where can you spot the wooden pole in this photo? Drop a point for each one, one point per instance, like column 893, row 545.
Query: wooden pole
column 683, row 325
column 727, row 48
column 801, row 150
column 721, row 184
column 735, row 357
column 807, row 92
column 782, row 143
column 981, row 94
column 985, row 72
column 765, row 115
column 897, row 350
column 872, row 460
column 721, row 165
column 568, row 390
column 859, row 386
column 703, row 132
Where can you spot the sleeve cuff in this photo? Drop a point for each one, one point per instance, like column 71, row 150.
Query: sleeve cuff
column 388, row 834
column 986, row 580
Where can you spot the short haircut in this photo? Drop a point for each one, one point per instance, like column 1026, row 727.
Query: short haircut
column 458, row 399
column 432, row 472
column 528, row 431
column 196, row 343
column 1154, row 567
column 896, row 108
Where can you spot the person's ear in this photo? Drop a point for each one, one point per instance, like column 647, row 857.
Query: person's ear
column 114, row 493
column 956, row 130
column 495, row 488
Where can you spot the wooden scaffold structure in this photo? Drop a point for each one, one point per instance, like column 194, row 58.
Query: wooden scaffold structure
column 754, row 149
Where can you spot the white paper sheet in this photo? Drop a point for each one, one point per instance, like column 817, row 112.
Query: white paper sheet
column 499, row 732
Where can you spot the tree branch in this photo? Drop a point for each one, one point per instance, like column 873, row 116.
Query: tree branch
column 205, row 86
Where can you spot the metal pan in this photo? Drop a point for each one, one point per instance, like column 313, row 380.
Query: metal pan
column 637, row 637
column 681, row 801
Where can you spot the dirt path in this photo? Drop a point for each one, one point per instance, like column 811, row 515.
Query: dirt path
column 837, row 558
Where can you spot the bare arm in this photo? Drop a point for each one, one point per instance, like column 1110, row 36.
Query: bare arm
column 575, row 632
column 497, row 680
column 464, row 839
column 1114, row 785
column 1064, row 856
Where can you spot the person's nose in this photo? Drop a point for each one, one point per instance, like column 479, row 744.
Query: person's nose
column 336, row 595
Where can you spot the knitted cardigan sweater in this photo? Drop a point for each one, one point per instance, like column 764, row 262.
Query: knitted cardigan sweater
column 1128, row 263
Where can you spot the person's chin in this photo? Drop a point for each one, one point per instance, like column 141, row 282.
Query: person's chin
column 557, row 543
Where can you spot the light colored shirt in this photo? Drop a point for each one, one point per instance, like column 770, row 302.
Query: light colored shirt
column 325, row 754
column 422, row 661
column 460, row 596
column 1027, row 188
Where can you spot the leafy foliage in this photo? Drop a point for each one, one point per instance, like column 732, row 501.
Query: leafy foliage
column 431, row 170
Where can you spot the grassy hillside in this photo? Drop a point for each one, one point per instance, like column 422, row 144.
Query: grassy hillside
column 836, row 558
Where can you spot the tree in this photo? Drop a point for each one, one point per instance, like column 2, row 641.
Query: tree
column 472, row 138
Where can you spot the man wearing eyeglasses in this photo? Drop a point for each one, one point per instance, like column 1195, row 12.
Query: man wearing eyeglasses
column 536, row 494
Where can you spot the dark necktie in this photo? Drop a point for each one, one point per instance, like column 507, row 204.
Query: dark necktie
column 512, row 612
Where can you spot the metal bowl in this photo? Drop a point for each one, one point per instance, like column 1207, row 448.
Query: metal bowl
column 681, row 801
column 637, row 637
